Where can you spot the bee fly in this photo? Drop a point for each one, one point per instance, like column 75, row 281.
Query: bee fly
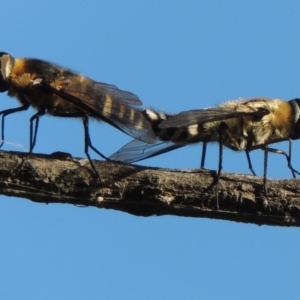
column 238, row 125
column 59, row 92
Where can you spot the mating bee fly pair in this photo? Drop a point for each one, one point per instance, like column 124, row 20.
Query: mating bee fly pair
column 238, row 125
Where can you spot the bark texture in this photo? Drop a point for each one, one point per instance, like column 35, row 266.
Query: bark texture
column 142, row 191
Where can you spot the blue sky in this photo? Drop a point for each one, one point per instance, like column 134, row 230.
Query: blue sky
column 175, row 55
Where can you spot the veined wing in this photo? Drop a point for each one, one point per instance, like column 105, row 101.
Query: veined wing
column 200, row 116
column 117, row 94
column 137, row 150
column 105, row 102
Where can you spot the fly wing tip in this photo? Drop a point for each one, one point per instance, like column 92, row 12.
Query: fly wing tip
column 133, row 98
column 138, row 102
column 114, row 157
column 117, row 157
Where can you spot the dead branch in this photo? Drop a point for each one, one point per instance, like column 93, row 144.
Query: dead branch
column 142, row 191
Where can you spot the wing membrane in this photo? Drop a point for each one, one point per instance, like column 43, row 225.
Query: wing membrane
column 137, row 150
column 119, row 95
column 108, row 103
column 198, row 116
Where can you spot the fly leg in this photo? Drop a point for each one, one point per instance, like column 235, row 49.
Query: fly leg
column 87, row 139
column 220, row 162
column 7, row 112
column 34, row 124
column 265, row 170
column 88, row 144
column 235, row 148
column 249, row 162
column 287, row 156
column 222, row 130
column 204, row 146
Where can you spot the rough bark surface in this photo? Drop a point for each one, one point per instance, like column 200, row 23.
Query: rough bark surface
column 142, row 191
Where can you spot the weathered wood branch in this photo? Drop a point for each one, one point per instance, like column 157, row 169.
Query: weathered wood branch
column 146, row 191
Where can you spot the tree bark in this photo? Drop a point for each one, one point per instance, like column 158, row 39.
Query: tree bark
column 143, row 191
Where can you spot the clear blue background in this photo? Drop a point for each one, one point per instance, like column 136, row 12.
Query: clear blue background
column 175, row 55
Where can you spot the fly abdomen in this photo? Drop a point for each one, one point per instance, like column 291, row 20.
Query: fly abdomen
column 186, row 134
column 126, row 115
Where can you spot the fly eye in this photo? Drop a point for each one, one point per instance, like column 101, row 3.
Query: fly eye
column 3, row 83
column 3, row 63
column 3, row 53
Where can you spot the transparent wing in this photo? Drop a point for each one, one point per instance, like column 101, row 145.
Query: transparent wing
column 198, row 116
column 105, row 102
column 137, row 150
column 116, row 93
